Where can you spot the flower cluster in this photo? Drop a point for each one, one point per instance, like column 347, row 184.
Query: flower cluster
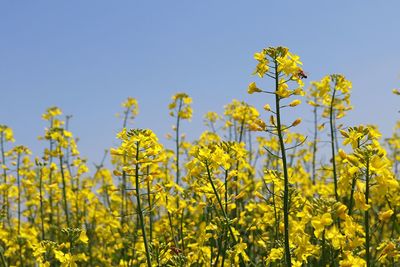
column 249, row 191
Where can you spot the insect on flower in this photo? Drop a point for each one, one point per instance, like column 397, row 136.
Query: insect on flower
column 176, row 250
column 302, row 74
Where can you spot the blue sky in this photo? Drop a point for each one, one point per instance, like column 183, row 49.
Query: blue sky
column 87, row 56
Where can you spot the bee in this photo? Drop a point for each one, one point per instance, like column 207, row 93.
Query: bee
column 302, row 74
column 175, row 250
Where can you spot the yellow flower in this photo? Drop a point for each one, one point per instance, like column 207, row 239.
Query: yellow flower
column 296, row 122
column 283, row 90
column 341, row 211
column 352, row 261
column 180, row 106
column 51, row 113
column 295, row 103
column 253, row 88
column 320, row 222
column 275, row 254
column 83, row 237
column 259, row 56
column 385, row 216
column 359, row 199
column 267, row 107
column 7, row 132
column 337, row 239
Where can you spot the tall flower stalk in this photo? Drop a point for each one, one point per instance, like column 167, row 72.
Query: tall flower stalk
column 180, row 109
column 6, row 135
column 282, row 67
column 140, row 149
column 332, row 93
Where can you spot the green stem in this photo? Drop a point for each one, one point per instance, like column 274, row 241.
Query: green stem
column 6, row 207
column 322, row 262
column 64, row 191
column 333, row 144
column 285, row 170
column 171, row 227
column 41, row 202
column 123, row 194
column 126, row 114
column 139, row 207
column 394, row 220
column 314, row 151
column 178, row 173
column 150, row 207
column 351, row 200
column 224, row 249
column 222, row 210
column 275, row 213
column 226, row 190
column 19, row 193
column 181, row 229
column 177, row 142
column 51, row 199
column 19, row 209
column 353, row 186
column 3, row 260
column 366, row 217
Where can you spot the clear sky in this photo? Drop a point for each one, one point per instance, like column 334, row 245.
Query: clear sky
column 87, row 56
